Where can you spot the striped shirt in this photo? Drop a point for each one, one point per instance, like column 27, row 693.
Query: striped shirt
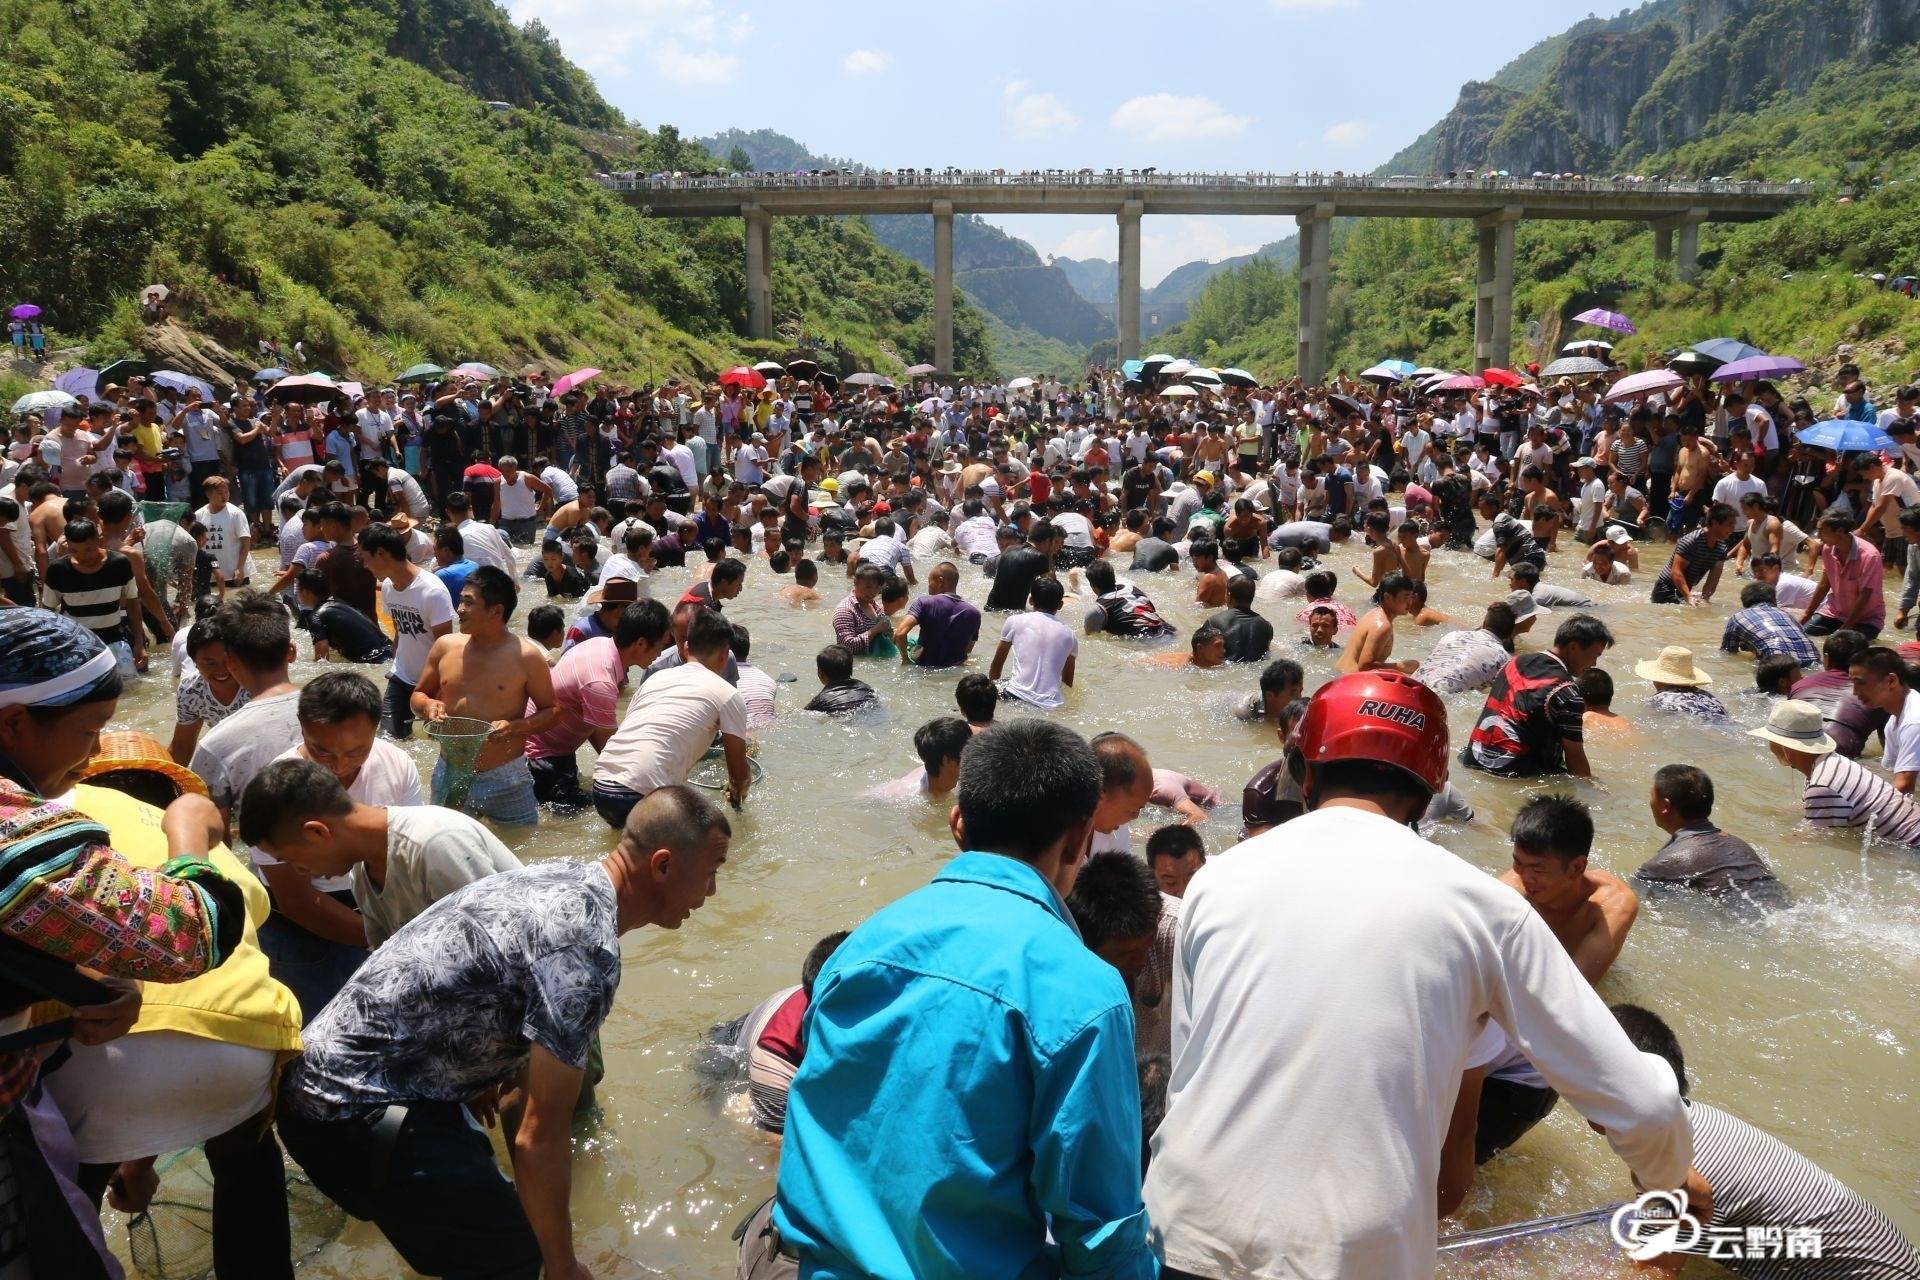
column 1697, row 554
column 1845, row 793
column 1765, row 629
column 1630, row 460
column 1760, row 1182
column 100, row 600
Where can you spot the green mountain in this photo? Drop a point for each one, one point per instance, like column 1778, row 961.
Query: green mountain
column 1165, row 305
column 1823, row 90
column 1000, row 273
column 388, row 182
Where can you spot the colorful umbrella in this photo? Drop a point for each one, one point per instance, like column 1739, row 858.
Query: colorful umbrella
column 1726, row 350
column 1457, row 382
column 1848, row 437
column 474, row 369
column 1237, row 378
column 421, row 373
column 741, row 376
column 1497, row 377
column 1644, row 384
column 1405, row 368
column 25, row 311
column 1606, row 320
column 578, row 377
column 77, row 382
column 1754, row 368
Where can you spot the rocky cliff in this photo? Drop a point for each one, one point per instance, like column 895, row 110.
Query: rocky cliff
column 1608, row 92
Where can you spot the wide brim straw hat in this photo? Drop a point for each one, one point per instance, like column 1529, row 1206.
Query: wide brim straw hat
column 123, row 750
column 1798, row 726
column 1673, row 666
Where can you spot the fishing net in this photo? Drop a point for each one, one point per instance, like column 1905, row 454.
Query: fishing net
column 461, row 739
column 172, row 1239
column 711, row 773
column 168, row 549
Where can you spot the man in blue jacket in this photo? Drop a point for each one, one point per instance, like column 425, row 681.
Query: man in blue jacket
column 968, row 1104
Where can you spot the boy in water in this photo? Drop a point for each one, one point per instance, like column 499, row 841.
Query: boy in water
column 1371, row 644
column 485, row 672
column 1588, row 909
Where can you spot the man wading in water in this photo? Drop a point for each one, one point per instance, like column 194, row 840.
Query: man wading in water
column 488, row 673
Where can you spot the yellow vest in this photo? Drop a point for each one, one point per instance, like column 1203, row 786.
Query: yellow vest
column 239, row 1003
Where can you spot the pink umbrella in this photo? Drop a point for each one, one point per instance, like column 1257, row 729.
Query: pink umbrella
column 1644, row 384
column 1459, row 382
column 353, row 390
column 579, row 376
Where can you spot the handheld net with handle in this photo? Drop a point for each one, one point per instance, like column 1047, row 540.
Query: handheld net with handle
column 461, row 739
column 172, row 1238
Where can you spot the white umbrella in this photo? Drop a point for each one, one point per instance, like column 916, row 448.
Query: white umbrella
column 1020, row 384
column 42, row 401
column 1581, row 346
column 1178, row 368
column 769, row 366
column 1428, row 371
column 1204, row 378
column 1179, row 392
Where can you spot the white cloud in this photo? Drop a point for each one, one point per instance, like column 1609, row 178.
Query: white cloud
column 688, row 42
column 1034, row 113
column 866, row 62
column 1347, row 133
column 682, row 65
column 1171, row 117
column 1313, row 6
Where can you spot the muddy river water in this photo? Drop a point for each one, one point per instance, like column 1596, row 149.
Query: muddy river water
column 1804, row 1024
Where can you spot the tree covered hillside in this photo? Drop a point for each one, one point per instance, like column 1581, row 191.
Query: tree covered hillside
column 330, row 171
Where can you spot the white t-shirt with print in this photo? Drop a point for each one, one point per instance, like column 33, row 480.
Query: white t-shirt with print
column 416, row 610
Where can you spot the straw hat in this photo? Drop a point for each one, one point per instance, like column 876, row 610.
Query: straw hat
column 130, row 750
column 1673, row 666
column 821, row 500
column 1798, row 726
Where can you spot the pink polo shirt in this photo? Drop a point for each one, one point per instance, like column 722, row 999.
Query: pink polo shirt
column 586, row 687
column 1848, row 578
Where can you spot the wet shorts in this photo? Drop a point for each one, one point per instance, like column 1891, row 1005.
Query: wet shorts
column 503, row 793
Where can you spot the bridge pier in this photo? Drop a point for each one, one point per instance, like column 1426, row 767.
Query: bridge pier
column 1128, row 302
column 943, row 285
column 1662, row 242
column 759, row 270
column 1493, row 300
column 1316, row 275
column 1687, row 267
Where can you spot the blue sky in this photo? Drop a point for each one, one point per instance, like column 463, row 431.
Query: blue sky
column 1257, row 84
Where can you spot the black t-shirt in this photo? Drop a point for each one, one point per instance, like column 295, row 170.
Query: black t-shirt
column 1249, row 635
column 572, row 583
column 1153, row 555
column 255, row 454
column 837, row 699
column 351, row 633
column 1019, row 569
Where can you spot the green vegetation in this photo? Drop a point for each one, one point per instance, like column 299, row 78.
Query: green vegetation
column 324, row 171
column 1792, row 285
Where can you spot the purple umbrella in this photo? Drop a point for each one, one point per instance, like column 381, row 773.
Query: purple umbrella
column 78, row 382
column 1606, row 320
column 1754, row 368
column 25, row 311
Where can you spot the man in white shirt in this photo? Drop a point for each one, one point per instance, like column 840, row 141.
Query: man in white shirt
column 1042, row 647
column 422, row 612
column 1880, row 681
column 1733, row 487
column 1324, row 1007
column 484, row 543
column 229, row 535
column 375, row 417
column 672, row 721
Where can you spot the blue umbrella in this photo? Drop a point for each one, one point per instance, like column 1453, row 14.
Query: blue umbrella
column 1848, row 437
column 1405, row 368
column 269, row 375
column 1727, row 350
column 1131, row 368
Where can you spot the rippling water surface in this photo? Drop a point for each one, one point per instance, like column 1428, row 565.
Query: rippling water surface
column 1803, row 1024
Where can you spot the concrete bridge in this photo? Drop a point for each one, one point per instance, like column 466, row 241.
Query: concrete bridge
column 1497, row 205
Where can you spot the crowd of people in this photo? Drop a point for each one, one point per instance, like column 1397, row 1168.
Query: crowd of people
column 1081, row 1049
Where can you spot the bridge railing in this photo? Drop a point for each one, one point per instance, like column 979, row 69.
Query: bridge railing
column 934, row 182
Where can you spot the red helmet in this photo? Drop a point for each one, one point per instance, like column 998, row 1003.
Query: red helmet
column 1382, row 716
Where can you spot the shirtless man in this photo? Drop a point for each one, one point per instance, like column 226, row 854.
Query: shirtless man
column 804, row 588
column 1589, row 910
column 1416, row 548
column 569, row 515
column 1210, row 589
column 486, row 672
column 47, row 521
column 1371, row 644
column 1386, row 552
column 1692, row 480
